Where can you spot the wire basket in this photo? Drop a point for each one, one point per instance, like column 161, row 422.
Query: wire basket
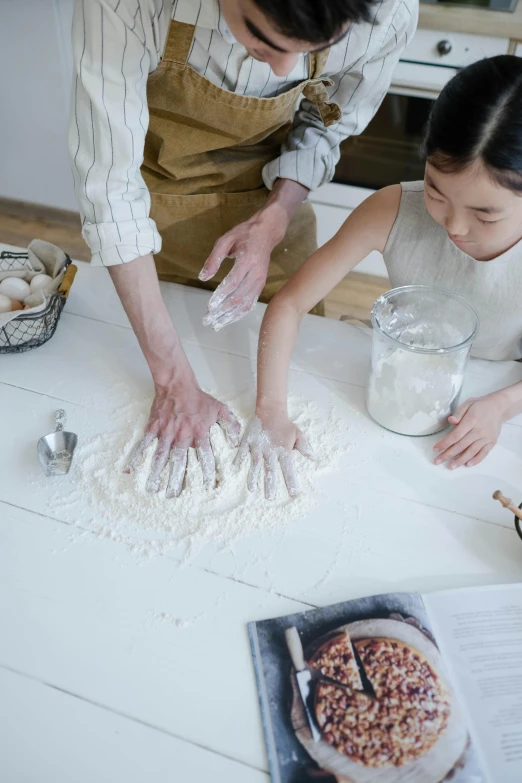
column 30, row 331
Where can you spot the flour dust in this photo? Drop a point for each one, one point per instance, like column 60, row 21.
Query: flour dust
column 115, row 505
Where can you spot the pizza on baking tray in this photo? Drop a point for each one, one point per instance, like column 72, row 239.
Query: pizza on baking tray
column 405, row 718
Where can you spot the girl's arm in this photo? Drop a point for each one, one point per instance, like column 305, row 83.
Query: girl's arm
column 366, row 229
column 270, row 436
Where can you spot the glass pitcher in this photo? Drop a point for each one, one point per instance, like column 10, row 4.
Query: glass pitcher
column 422, row 339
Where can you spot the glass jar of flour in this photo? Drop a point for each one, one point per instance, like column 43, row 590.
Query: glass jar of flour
column 422, row 338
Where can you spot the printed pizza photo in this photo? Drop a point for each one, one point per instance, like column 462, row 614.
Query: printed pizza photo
column 379, row 702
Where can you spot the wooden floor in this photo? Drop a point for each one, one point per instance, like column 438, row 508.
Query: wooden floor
column 352, row 298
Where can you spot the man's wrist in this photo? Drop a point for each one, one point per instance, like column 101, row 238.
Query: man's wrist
column 274, row 222
column 172, row 379
column 165, row 356
column 172, row 370
column 284, row 199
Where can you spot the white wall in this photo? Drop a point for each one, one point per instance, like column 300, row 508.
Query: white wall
column 35, row 76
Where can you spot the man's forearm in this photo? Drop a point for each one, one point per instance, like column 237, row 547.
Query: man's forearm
column 138, row 288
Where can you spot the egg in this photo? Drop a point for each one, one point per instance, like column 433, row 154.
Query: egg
column 14, row 288
column 40, row 282
column 5, row 304
column 16, row 305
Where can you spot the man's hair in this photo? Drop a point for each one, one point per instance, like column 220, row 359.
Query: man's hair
column 315, row 21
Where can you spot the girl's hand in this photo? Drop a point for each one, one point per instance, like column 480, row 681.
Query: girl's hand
column 271, row 437
column 477, row 427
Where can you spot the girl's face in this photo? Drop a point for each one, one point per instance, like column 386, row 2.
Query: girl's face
column 481, row 217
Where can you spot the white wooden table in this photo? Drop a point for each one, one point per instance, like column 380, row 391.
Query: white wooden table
column 91, row 690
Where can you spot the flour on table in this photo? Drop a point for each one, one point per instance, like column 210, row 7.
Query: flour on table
column 165, row 618
column 150, row 525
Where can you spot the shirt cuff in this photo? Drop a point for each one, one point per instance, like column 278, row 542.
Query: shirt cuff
column 308, row 167
column 119, row 243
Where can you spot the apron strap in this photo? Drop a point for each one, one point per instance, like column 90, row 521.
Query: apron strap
column 179, row 42
column 316, row 92
column 317, row 62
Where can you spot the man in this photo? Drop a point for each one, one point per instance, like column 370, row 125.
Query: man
column 224, row 114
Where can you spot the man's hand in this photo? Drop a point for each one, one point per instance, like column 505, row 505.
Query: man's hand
column 181, row 415
column 180, row 419
column 270, row 437
column 477, row 427
column 250, row 244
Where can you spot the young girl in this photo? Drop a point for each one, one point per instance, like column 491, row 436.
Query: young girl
column 460, row 229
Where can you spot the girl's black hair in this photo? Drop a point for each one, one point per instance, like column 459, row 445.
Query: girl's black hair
column 478, row 116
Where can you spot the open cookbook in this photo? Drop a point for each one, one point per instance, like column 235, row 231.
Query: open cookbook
column 397, row 687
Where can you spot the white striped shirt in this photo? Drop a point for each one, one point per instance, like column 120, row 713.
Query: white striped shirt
column 117, row 43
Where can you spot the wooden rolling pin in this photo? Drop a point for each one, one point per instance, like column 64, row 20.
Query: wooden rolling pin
column 507, row 503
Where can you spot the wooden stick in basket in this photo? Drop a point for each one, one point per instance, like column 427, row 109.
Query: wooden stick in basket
column 68, row 279
column 507, row 503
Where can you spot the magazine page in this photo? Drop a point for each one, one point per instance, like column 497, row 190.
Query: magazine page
column 479, row 632
column 358, row 692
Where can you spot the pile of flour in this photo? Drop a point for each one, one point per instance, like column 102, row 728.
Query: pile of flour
column 115, row 505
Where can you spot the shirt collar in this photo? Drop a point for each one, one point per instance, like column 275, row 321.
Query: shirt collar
column 203, row 13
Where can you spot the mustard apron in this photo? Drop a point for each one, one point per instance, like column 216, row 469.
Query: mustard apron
column 204, row 155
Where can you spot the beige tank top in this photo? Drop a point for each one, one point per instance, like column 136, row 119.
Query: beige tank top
column 419, row 252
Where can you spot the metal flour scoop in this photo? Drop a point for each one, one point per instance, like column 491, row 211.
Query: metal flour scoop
column 56, row 450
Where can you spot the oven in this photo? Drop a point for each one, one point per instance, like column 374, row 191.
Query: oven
column 388, row 151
